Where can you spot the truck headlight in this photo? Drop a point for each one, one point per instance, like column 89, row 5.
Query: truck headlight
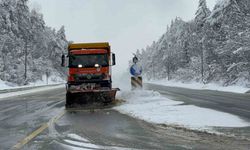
column 97, row 65
column 80, row 66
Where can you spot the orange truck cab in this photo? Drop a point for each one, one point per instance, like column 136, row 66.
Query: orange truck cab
column 89, row 73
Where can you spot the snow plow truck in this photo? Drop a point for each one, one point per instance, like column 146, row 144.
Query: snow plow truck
column 89, row 74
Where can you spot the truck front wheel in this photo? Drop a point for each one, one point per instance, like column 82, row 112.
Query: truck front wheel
column 68, row 100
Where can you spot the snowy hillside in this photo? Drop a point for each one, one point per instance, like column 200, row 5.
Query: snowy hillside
column 23, row 32
column 213, row 47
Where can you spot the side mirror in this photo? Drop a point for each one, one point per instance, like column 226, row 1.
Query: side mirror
column 113, row 59
column 63, row 60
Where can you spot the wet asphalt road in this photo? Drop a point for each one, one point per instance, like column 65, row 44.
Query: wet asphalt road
column 233, row 103
column 101, row 129
column 22, row 115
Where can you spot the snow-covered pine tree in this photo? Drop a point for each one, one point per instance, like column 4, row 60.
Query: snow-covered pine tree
column 20, row 27
column 225, row 46
column 202, row 13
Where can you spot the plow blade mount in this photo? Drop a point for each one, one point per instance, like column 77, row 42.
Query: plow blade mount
column 90, row 98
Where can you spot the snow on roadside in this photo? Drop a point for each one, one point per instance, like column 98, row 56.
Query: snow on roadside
column 53, row 79
column 77, row 137
column 38, row 89
column 152, row 107
column 200, row 86
column 76, row 142
column 82, row 144
column 4, row 85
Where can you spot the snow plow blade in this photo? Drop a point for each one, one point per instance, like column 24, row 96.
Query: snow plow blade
column 90, row 99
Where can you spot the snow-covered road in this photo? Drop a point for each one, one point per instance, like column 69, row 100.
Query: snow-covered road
column 151, row 106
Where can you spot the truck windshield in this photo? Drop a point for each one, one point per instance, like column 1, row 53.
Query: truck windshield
column 88, row 60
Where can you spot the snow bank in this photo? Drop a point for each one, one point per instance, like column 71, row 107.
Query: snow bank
column 4, row 85
column 152, row 107
column 38, row 89
column 195, row 85
column 51, row 81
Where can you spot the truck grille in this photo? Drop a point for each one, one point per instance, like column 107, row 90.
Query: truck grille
column 89, row 77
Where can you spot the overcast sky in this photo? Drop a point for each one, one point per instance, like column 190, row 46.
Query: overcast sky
column 127, row 24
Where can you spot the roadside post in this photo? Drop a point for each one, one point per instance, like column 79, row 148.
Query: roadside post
column 47, row 77
column 136, row 71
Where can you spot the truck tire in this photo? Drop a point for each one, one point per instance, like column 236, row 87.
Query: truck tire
column 68, row 100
